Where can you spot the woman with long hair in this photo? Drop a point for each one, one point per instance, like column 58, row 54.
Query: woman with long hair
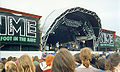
column 25, row 64
column 10, row 66
column 63, row 61
column 85, row 56
column 113, row 63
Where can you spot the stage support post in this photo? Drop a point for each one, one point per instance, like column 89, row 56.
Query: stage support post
column 20, row 47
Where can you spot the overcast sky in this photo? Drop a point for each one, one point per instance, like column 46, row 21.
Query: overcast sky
column 107, row 10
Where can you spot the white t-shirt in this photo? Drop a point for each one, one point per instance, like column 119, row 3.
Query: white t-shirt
column 43, row 66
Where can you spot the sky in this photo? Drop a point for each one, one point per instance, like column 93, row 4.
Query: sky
column 107, row 10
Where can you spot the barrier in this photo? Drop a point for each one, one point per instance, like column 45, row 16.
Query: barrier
column 6, row 54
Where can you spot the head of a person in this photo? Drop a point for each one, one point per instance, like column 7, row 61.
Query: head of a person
column 44, row 54
column 9, row 58
column 63, row 61
column 1, row 65
column 14, row 59
column 77, row 58
column 113, row 62
column 85, row 56
column 36, row 58
column 25, row 64
column 4, row 62
column 96, row 55
column 49, row 59
column 10, row 66
column 100, row 64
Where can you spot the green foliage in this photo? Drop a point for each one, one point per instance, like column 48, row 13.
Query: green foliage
column 117, row 42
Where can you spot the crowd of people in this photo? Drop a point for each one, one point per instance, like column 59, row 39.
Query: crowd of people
column 63, row 61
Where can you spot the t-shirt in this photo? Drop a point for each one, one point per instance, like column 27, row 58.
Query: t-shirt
column 57, row 45
column 82, row 68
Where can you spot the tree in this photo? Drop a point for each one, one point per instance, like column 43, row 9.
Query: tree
column 117, row 42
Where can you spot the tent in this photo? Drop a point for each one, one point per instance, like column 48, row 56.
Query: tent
column 71, row 24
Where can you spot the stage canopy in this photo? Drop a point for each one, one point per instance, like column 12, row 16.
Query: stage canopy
column 65, row 25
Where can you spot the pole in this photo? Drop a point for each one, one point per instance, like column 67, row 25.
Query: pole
column 0, row 54
column 40, row 38
column 20, row 47
column 94, row 40
column 0, row 50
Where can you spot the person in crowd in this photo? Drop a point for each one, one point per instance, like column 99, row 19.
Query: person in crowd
column 10, row 66
column 49, row 60
column 16, row 62
column 77, row 60
column 85, row 56
column 25, row 64
column 1, row 66
column 42, row 62
column 94, row 58
column 100, row 64
column 63, row 61
column 36, row 61
column 44, row 54
column 3, row 62
column 38, row 69
column 50, row 47
column 57, row 46
column 108, row 55
column 14, row 59
column 103, row 55
column 69, row 45
column 113, row 62
column 9, row 58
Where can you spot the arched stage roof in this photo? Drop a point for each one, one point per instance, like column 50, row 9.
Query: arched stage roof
column 65, row 25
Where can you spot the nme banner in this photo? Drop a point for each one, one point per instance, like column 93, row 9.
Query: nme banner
column 19, row 29
column 107, row 39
